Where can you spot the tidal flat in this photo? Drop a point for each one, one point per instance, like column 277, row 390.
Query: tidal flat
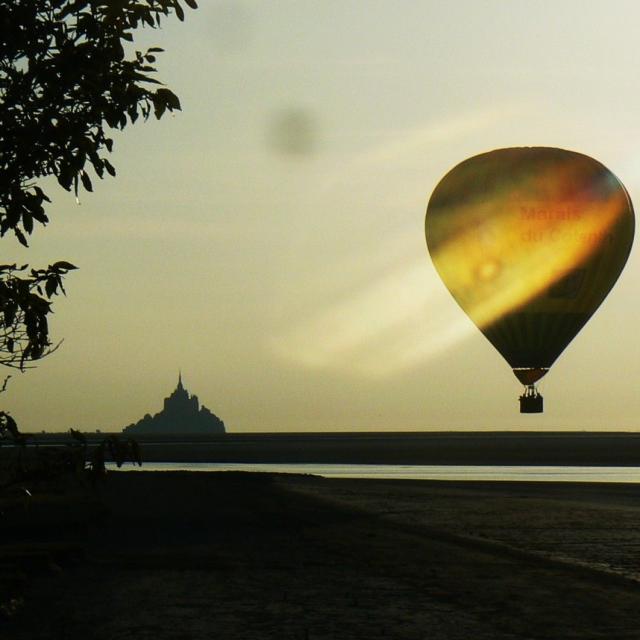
column 240, row 555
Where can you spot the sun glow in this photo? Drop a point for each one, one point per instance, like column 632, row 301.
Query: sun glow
column 393, row 323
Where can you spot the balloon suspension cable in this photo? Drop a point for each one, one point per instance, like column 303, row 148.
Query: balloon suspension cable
column 531, row 401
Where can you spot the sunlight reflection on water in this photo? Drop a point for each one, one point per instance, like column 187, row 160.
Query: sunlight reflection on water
column 413, row 472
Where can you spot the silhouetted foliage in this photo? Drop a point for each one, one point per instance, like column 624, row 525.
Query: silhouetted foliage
column 25, row 302
column 65, row 79
column 120, row 449
column 67, row 76
column 8, row 427
column 77, row 461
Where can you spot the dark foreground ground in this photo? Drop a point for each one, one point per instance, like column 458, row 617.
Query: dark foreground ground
column 255, row 556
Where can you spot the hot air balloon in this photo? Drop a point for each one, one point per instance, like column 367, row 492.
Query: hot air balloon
column 529, row 241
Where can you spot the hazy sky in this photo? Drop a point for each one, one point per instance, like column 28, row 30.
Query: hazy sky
column 269, row 239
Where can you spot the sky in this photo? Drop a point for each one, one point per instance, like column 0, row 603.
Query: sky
column 268, row 240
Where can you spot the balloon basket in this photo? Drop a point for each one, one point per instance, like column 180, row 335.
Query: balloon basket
column 531, row 401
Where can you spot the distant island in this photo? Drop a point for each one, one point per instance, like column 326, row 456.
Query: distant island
column 181, row 414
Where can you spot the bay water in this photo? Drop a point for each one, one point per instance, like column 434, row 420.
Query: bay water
column 412, row 472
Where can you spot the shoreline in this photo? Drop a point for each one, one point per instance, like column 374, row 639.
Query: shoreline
column 427, row 448
column 425, row 473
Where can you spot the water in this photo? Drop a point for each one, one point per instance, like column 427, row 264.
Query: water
column 413, row 472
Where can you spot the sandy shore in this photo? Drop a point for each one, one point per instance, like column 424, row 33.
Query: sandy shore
column 186, row 555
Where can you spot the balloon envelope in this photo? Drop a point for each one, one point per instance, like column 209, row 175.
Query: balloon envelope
column 529, row 241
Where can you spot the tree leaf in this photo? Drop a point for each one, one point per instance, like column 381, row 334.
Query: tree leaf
column 169, row 98
column 50, row 287
column 61, row 264
column 27, row 222
column 64, row 180
column 109, row 167
column 21, row 239
column 86, row 181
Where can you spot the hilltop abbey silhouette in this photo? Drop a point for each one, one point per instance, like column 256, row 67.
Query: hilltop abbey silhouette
column 181, row 414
